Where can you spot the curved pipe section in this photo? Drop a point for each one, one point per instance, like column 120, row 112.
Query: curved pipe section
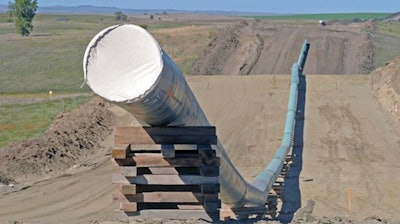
column 125, row 65
column 268, row 176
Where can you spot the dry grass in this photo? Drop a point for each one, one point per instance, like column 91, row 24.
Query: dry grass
column 184, row 44
column 386, row 37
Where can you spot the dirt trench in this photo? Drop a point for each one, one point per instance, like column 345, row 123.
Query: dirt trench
column 263, row 47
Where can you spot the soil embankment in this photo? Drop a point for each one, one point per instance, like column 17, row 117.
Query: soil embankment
column 385, row 83
column 69, row 144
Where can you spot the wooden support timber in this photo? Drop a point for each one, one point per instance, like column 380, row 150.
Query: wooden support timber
column 167, row 172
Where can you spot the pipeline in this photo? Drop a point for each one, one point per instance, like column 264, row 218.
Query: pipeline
column 125, row 65
column 268, row 176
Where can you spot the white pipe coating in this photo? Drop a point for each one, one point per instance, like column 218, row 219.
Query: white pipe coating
column 125, row 65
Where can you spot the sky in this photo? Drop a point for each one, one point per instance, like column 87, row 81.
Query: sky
column 267, row 6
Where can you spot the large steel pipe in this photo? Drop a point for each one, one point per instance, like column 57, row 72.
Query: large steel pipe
column 125, row 65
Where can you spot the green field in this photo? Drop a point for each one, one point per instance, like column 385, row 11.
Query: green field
column 49, row 59
column 21, row 121
column 333, row 16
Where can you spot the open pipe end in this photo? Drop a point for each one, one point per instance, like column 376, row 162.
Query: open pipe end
column 122, row 62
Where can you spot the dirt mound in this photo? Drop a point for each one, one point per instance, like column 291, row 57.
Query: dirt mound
column 235, row 51
column 218, row 51
column 385, row 83
column 265, row 47
column 73, row 136
column 365, row 55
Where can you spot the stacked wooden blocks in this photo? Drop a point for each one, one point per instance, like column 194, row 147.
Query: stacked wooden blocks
column 167, row 172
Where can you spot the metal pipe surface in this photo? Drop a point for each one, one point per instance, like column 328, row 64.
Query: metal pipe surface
column 125, row 65
column 265, row 179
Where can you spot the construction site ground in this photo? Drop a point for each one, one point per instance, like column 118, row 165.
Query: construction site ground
column 349, row 162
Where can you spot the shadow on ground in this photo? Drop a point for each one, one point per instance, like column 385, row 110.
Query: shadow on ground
column 291, row 195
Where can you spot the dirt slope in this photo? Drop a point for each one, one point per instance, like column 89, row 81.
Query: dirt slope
column 66, row 145
column 265, row 47
column 385, row 82
column 350, row 150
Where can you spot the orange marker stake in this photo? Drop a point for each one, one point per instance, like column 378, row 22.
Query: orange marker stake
column 349, row 198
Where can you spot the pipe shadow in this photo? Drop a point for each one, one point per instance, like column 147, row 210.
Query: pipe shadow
column 291, row 195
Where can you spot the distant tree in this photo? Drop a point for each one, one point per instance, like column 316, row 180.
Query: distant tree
column 23, row 11
column 151, row 16
column 120, row 16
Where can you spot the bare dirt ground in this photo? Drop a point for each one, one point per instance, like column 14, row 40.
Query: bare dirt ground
column 349, row 163
column 350, row 150
column 265, row 47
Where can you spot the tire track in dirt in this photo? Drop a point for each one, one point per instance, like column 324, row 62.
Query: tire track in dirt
column 346, row 146
column 263, row 47
column 76, row 197
column 329, row 55
column 280, row 53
